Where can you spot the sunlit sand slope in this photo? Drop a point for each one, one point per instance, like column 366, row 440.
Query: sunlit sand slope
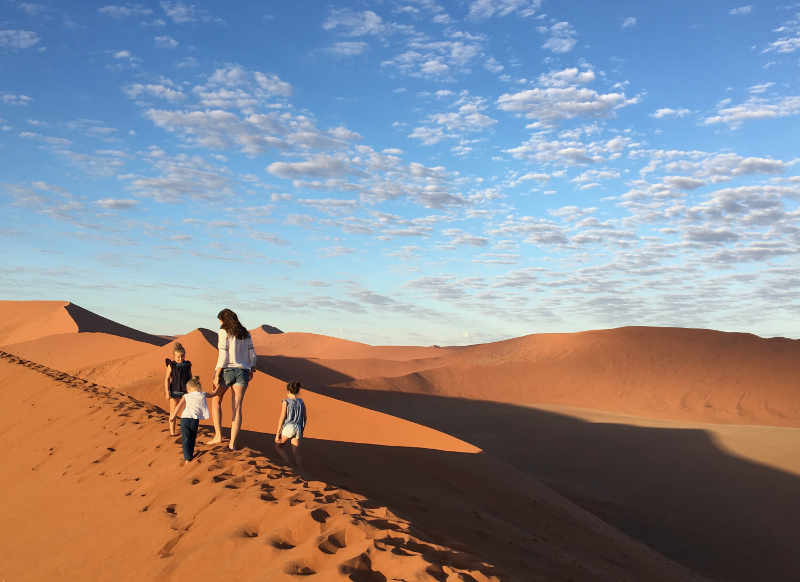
column 94, row 490
column 668, row 373
column 22, row 321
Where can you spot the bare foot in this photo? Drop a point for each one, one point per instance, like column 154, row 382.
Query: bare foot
column 214, row 441
column 232, row 447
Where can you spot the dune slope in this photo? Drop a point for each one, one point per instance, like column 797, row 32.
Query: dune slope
column 667, row 373
column 67, row 351
column 22, row 321
column 97, row 492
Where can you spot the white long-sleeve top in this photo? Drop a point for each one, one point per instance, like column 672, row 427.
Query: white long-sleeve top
column 235, row 352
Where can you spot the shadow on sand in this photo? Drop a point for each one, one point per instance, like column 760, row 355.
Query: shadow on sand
column 672, row 489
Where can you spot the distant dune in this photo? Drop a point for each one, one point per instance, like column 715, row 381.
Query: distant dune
column 22, row 321
column 669, row 373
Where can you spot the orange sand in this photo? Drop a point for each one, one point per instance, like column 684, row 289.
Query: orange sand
column 77, row 502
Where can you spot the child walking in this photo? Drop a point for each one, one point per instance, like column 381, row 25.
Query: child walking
column 192, row 407
column 179, row 372
column 291, row 423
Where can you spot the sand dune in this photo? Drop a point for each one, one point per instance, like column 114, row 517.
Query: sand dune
column 669, row 373
column 98, row 494
column 456, row 438
column 142, row 375
column 68, row 351
column 84, row 460
column 22, row 321
column 313, row 346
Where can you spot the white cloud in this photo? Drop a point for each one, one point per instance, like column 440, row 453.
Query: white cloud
column 561, row 96
column 53, row 141
column 761, row 88
column 493, row 65
column 628, row 22
column 562, row 152
column 754, row 108
column 117, row 204
column 467, row 118
column 351, row 23
column 165, row 42
column 182, row 178
column 562, row 37
column 683, row 182
column 459, row 238
column 10, row 99
column 18, row 39
column 483, row 9
column 136, row 90
column 790, row 39
column 741, row 10
column 319, row 166
column 121, row 12
column 348, row 48
column 337, row 251
column 667, row 112
column 181, row 13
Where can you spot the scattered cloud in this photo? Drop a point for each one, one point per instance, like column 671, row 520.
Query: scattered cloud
column 18, row 39
column 561, row 95
column 561, row 37
column 667, row 112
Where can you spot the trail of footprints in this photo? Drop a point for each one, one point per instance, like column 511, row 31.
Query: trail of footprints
column 321, row 528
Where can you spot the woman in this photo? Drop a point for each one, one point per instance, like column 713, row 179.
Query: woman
column 235, row 368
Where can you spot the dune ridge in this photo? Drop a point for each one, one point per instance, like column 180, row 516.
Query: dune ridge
column 662, row 373
column 23, row 321
column 180, row 523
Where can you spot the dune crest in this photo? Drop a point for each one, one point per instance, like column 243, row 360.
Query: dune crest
column 665, row 373
column 23, row 321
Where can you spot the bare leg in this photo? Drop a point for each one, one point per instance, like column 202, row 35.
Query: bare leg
column 296, row 452
column 173, row 422
column 216, row 416
column 282, row 453
column 236, row 413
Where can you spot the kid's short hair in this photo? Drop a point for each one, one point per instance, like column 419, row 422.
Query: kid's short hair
column 293, row 387
column 178, row 349
column 194, row 383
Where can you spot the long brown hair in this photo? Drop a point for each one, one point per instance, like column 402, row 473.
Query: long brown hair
column 231, row 324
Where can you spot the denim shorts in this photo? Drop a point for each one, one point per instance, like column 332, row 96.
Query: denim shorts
column 231, row 376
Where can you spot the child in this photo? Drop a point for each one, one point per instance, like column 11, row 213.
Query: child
column 292, row 423
column 192, row 407
column 179, row 372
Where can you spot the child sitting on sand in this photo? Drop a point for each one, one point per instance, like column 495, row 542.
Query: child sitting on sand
column 179, row 372
column 192, row 407
column 291, row 423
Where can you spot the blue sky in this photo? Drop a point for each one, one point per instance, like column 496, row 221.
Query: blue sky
column 404, row 172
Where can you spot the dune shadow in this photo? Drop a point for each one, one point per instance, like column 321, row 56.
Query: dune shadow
column 89, row 322
column 307, row 371
column 672, row 489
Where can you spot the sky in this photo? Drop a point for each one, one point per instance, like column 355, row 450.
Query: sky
column 410, row 171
